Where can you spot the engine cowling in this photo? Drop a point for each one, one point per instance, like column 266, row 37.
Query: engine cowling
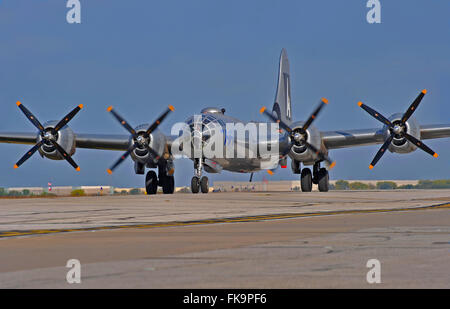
column 400, row 144
column 156, row 140
column 299, row 151
column 65, row 137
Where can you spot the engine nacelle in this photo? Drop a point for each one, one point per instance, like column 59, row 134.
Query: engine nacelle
column 299, row 151
column 400, row 144
column 156, row 141
column 65, row 137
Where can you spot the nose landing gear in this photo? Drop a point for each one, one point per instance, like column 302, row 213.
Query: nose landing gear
column 204, row 184
column 195, row 184
column 199, row 183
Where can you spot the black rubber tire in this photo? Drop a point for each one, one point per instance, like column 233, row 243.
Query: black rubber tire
column 204, row 184
column 306, row 180
column 195, row 184
column 151, row 183
column 168, row 184
column 323, row 180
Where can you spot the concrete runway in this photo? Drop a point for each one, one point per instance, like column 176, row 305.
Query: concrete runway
column 229, row 240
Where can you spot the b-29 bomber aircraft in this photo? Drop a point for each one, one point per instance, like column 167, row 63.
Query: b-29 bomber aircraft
column 302, row 142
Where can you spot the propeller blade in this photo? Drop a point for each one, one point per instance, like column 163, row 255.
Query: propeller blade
column 316, row 112
column 274, row 119
column 321, row 155
column 30, row 116
column 66, row 155
column 121, row 159
column 160, row 119
column 421, row 145
column 382, row 150
column 122, row 121
column 28, row 154
column 68, row 117
column 413, row 106
column 375, row 114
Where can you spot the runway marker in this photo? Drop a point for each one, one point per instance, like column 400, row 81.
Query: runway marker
column 257, row 218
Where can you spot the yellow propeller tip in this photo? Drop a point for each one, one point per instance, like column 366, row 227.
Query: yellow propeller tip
column 371, row 166
column 270, row 172
column 78, row 169
column 360, row 103
column 81, row 106
column 424, row 91
column 171, row 108
column 435, row 155
column 15, row 166
column 262, row 109
column 332, row 164
column 109, row 171
column 109, row 108
column 18, row 103
column 324, row 100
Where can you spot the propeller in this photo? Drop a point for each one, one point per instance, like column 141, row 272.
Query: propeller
column 48, row 135
column 398, row 128
column 299, row 136
column 140, row 139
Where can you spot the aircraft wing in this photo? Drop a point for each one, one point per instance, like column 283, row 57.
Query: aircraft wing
column 118, row 142
column 351, row 138
column 89, row 141
column 18, row 138
column 103, row 141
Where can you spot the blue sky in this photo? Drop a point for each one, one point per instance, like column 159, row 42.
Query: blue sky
column 140, row 56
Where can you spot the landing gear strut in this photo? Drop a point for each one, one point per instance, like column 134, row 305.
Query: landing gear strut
column 199, row 183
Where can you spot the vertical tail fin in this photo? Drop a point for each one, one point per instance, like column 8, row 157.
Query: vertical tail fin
column 282, row 105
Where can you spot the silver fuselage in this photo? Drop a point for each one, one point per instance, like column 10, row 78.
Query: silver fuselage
column 245, row 141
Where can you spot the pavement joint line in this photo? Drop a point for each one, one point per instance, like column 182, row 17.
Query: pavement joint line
column 256, row 218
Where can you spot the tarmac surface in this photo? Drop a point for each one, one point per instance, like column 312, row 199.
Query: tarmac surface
column 229, row 240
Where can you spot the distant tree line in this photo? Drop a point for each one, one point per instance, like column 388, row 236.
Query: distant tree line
column 135, row 191
column 390, row 185
column 23, row 193
column 77, row 192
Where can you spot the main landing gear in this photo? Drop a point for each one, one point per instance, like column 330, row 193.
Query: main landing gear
column 319, row 176
column 199, row 183
column 165, row 180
